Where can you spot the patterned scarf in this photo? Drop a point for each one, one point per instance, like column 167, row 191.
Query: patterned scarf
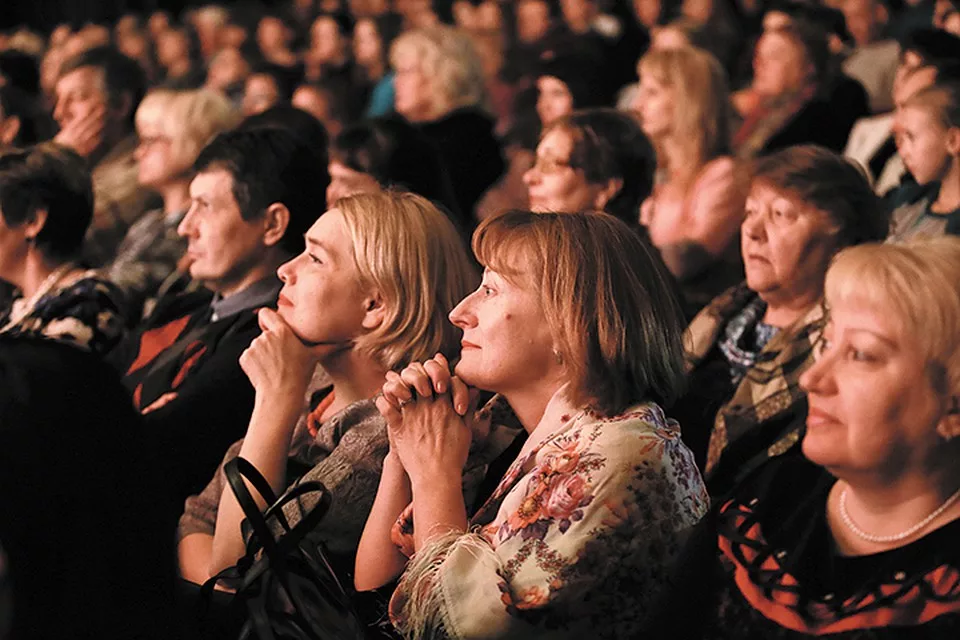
column 744, row 338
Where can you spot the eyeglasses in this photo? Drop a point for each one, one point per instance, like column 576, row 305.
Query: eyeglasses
column 150, row 141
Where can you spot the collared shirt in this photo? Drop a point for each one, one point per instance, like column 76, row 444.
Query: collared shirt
column 262, row 293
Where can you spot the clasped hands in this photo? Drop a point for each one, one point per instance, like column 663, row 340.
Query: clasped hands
column 428, row 412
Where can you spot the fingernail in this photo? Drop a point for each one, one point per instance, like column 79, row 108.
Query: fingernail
column 461, row 409
column 440, row 387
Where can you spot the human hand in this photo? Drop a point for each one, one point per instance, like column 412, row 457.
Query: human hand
column 277, row 362
column 84, row 134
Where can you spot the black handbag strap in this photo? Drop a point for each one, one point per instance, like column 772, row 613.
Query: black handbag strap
column 236, row 471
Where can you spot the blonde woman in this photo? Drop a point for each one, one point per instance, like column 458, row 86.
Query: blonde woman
column 173, row 126
column 370, row 294
column 440, row 88
column 857, row 537
column 695, row 210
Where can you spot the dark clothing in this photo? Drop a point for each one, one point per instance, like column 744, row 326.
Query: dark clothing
column 826, row 120
column 185, row 356
column 783, row 579
column 471, row 154
column 83, row 519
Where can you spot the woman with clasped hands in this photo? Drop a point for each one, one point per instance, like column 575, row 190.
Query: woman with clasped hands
column 575, row 327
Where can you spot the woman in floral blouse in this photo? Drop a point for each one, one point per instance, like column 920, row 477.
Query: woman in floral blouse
column 46, row 205
column 575, row 327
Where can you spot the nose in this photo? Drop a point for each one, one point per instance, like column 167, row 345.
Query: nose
column 187, row 228
column 287, row 271
column 531, row 176
column 60, row 111
column 816, row 379
column 462, row 316
column 752, row 226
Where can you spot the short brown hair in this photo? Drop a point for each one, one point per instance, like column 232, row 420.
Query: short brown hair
column 605, row 297
column 826, row 181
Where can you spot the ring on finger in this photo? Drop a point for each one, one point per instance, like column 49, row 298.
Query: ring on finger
column 404, row 403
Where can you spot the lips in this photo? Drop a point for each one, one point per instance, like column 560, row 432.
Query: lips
column 284, row 301
column 818, row 417
column 468, row 345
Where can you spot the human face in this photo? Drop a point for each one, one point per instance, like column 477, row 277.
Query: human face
column 326, row 44
column 533, row 20
column 774, row 20
column 506, row 345
column 366, row 43
column 554, row 99
column 654, row 105
column 872, row 406
column 669, row 39
column 224, row 249
column 863, row 19
column 647, row 12
column 271, row 34
column 552, row 184
column 323, row 299
column 786, row 246
column 909, row 80
column 259, row 94
column 779, row 65
column 227, row 68
column 344, row 182
column 414, row 92
column 172, row 47
column 79, row 94
column 922, row 143
column 155, row 161
column 578, row 14
column 315, row 103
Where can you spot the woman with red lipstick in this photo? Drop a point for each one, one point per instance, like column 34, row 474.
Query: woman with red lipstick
column 748, row 347
column 576, row 328
column 857, row 537
column 349, row 304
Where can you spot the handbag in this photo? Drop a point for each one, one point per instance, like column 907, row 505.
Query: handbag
column 286, row 582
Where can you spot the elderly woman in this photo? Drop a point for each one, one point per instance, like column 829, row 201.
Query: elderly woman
column 695, row 210
column 577, row 537
column 857, row 536
column 440, row 88
column 46, row 205
column 173, row 127
column 592, row 160
column 748, row 347
column 345, row 305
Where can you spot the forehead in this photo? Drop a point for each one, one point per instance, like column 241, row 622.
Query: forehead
column 776, row 43
column 551, row 83
column 556, row 142
column 82, row 78
column 340, row 170
column 214, row 185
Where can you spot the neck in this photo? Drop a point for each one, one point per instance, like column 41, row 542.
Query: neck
column 253, row 275
column 176, row 195
column 678, row 167
column 529, row 404
column 949, row 197
column 355, row 377
column 36, row 271
column 782, row 313
column 178, row 69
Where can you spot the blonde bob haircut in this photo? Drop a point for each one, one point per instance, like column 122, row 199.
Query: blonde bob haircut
column 448, row 58
column 917, row 283
column 701, row 102
column 190, row 119
column 605, row 298
column 942, row 101
column 411, row 253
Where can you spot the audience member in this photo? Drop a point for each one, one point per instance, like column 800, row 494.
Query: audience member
column 873, row 61
column 343, row 306
column 694, row 213
column 328, row 101
column 254, row 195
column 98, row 93
column 372, row 39
column 440, row 89
column 810, row 541
column 268, row 85
column 747, row 348
column 603, row 487
column 593, row 160
column 172, row 128
column 46, row 204
column 178, row 52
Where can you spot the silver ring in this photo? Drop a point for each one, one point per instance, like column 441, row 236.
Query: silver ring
column 404, row 403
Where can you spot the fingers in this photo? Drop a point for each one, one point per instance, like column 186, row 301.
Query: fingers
column 396, row 391
column 460, row 394
column 270, row 320
column 439, row 374
column 416, row 376
column 389, row 412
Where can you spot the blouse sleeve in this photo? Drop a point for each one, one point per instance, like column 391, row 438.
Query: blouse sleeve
column 716, row 206
column 579, row 545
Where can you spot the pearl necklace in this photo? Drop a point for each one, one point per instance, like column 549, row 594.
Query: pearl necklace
column 860, row 533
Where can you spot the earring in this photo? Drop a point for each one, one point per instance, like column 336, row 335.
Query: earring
column 31, row 241
column 558, row 356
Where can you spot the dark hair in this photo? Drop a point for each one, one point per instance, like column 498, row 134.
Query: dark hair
column 934, row 46
column 336, row 91
column 396, row 154
column 299, row 123
column 579, row 74
column 270, row 165
column 284, row 79
column 827, row 181
column 610, row 145
column 21, row 70
column 52, row 178
column 812, row 39
column 16, row 103
column 121, row 75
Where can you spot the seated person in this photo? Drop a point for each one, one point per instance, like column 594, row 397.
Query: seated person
column 693, row 215
column 592, row 160
column 857, row 537
column 352, row 303
column 928, row 140
column 747, row 348
column 578, row 537
column 46, row 205
column 172, row 127
column 254, row 195
column 85, row 526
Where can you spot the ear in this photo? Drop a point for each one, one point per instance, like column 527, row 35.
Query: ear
column 123, row 106
column 608, row 193
column 953, row 141
column 35, row 225
column 276, row 219
column 375, row 312
column 949, row 425
column 9, row 130
column 882, row 16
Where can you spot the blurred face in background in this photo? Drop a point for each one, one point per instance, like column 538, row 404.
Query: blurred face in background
column 326, row 42
column 272, row 34
column 345, row 181
column 227, row 68
column 922, row 143
column 533, row 20
column 259, row 94
column 554, row 99
column 414, row 92
column 864, row 18
column 779, row 65
column 654, row 105
column 553, row 185
column 367, row 46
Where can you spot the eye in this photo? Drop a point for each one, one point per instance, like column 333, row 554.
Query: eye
column 314, row 259
column 486, row 291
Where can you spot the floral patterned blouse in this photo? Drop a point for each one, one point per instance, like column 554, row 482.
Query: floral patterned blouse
column 576, row 541
column 86, row 311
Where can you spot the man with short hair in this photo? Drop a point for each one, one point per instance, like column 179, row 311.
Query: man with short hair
column 97, row 94
column 255, row 194
column 873, row 61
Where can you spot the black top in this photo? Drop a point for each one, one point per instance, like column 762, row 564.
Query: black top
column 783, row 578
